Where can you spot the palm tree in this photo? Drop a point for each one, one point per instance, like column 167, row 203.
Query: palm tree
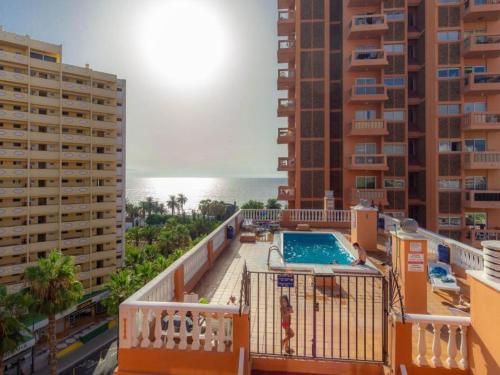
column 252, row 204
column 149, row 205
column 273, row 204
column 181, row 201
column 204, row 207
column 55, row 288
column 172, row 203
column 12, row 307
column 120, row 286
column 133, row 235
column 149, row 233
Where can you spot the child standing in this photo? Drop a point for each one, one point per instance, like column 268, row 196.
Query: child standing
column 286, row 323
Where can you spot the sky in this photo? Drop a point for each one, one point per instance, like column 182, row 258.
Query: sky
column 201, row 76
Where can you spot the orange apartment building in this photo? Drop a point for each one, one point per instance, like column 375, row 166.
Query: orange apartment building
column 62, row 162
column 395, row 102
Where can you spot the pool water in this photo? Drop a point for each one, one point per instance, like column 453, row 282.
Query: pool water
column 314, row 248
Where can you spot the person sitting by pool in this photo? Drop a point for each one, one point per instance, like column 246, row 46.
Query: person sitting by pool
column 361, row 255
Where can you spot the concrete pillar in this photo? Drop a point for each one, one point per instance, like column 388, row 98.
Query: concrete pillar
column 364, row 226
column 210, row 253
column 409, row 259
column 179, row 283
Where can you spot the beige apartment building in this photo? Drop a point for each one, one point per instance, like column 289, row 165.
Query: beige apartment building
column 62, row 162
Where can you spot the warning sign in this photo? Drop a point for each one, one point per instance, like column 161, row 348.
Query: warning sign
column 415, row 267
column 416, row 258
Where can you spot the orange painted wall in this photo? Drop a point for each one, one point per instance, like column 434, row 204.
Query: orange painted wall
column 364, row 228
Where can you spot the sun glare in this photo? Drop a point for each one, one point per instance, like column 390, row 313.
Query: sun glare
column 184, row 42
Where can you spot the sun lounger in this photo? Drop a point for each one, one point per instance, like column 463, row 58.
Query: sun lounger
column 441, row 277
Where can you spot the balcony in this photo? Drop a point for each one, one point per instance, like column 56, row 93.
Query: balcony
column 13, row 115
column 482, row 160
column 76, row 104
column 286, row 22
column 13, row 77
column 368, row 162
column 286, row 164
column 482, row 83
column 286, row 135
column 75, row 121
column 75, row 87
column 482, row 121
column 368, row 127
column 482, row 199
column 13, row 211
column 363, row 3
column 368, row 93
column 286, row 51
column 286, row 107
column 480, row 10
column 482, row 45
column 13, row 96
column 367, row 59
column 375, row 196
column 367, row 26
column 286, row 79
column 476, row 236
column 16, row 58
column 13, row 192
column 286, row 193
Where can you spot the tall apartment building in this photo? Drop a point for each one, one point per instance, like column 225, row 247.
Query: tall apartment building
column 396, row 102
column 62, row 162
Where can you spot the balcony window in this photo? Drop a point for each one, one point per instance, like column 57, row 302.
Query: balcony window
column 394, row 48
column 450, row 146
column 444, row 36
column 475, row 69
column 475, row 145
column 475, row 107
column 450, row 221
column 394, row 81
column 394, row 149
column 394, row 115
column 366, row 182
column 476, row 183
column 395, row 15
column 448, row 109
column 365, row 115
column 365, row 148
column 449, row 73
column 447, row 2
column 368, row 19
column 446, row 184
column 365, row 81
column 390, row 183
column 476, row 219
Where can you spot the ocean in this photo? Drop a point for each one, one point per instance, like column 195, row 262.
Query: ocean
column 229, row 190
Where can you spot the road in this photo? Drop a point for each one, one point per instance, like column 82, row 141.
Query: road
column 100, row 362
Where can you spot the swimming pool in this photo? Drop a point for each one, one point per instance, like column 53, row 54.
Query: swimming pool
column 314, row 248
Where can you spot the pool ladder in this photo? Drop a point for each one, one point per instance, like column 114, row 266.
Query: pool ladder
column 271, row 249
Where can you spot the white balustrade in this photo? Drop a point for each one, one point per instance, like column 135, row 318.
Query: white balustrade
column 195, row 261
column 451, row 325
column 298, row 215
column 218, row 239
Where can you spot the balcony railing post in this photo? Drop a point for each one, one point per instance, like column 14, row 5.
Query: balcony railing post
column 210, row 253
column 179, row 283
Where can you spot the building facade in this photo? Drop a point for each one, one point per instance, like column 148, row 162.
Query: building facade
column 62, row 162
column 395, row 102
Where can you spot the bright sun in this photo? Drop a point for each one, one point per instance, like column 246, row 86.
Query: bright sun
column 184, row 42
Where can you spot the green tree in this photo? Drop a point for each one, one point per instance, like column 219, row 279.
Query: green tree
column 273, row 204
column 181, row 201
column 204, row 207
column 149, row 233
column 252, row 204
column 133, row 235
column 55, row 288
column 172, row 203
column 121, row 285
column 133, row 211
column 12, row 307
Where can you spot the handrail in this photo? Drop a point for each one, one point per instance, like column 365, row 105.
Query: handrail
column 271, row 249
column 430, row 319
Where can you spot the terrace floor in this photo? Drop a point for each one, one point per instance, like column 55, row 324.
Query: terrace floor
column 336, row 304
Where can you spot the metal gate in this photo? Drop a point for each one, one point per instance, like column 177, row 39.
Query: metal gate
column 340, row 317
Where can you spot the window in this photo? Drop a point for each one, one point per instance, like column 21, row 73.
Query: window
column 394, row 149
column 450, row 221
column 366, row 81
column 448, row 35
column 395, row 15
column 449, row 146
column 394, row 81
column 365, row 115
column 476, row 219
column 475, row 107
column 475, row 69
column 365, row 148
column 449, row 1
column 394, row 48
column 475, row 145
column 448, row 109
column 449, row 184
column 394, row 115
column 476, row 183
column 394, row 184
column 366, row 182
column 448, row 72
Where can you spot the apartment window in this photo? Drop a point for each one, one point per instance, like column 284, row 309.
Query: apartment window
column 475, row 145
column 476, row 183
column 476, row 219
column 364, row 115
column 475, row 69
column 394, row 149
column 450, row 146
column 448, row 109
column 448, row 35
column 444, row 2
column 390, row 183
column 366, row 182
column 365, row 148
column 395, row 15
column 449, row 184
column 450, row 221
column 394, row 81
column 475, row 107
column 394, row 115
column 448, row 72
column 365, row 81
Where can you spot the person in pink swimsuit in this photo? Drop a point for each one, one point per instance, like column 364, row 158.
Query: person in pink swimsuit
column 286, row 323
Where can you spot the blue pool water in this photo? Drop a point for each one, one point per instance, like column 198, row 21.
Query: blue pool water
column 315, row 248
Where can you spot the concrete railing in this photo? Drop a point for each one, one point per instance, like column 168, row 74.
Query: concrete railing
column 298, row 215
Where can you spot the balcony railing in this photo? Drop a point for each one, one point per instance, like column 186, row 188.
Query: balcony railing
column 481, row 10
column 286, row 135
column 375, row 196
column 286, row 79
column 366, row 59
column 286, row 193
column 367, row 26
column 482, row 199
column 286, row 164
column 286, row 22
column 286, row 107
column 482, row 45
column 476, row 236
column 368, row 93
column 482, row 160
column 482, row 83
column 368, row 127
column 286, row 51
column 368, row 162
column 482, row 121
